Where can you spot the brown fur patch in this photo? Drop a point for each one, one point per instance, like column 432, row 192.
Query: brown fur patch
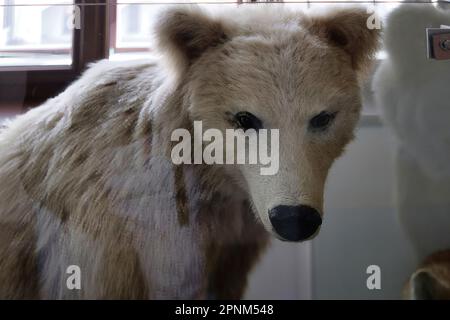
column 181, row 196
column 126, row 279
column 19, row 277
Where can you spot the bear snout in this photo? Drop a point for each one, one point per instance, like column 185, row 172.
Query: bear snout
column 295, row 223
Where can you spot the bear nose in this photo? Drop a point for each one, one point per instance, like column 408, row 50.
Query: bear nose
column 295, row 223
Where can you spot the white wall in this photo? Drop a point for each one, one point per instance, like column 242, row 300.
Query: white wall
column 283, row 273
column 360, row 228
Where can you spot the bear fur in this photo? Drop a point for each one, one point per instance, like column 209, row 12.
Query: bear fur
column 87, row 178
column 412, row 94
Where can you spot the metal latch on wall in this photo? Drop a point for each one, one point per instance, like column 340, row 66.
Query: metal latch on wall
column 438, row 43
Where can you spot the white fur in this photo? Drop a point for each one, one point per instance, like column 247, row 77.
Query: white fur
column 413, row 94
column 413, row 91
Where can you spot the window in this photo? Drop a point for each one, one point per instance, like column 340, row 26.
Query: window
column 35, row 34
column 45, row 45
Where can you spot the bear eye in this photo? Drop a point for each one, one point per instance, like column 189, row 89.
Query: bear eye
column 245, row 120
column 322, row 120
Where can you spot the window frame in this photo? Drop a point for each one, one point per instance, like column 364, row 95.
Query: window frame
column 22, row 87
column 113, row 31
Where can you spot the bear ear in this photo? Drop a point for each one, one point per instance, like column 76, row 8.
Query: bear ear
column 183, row 34
column 349, row 30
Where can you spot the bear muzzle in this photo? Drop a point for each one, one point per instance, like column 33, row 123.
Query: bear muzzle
column 295, row 223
